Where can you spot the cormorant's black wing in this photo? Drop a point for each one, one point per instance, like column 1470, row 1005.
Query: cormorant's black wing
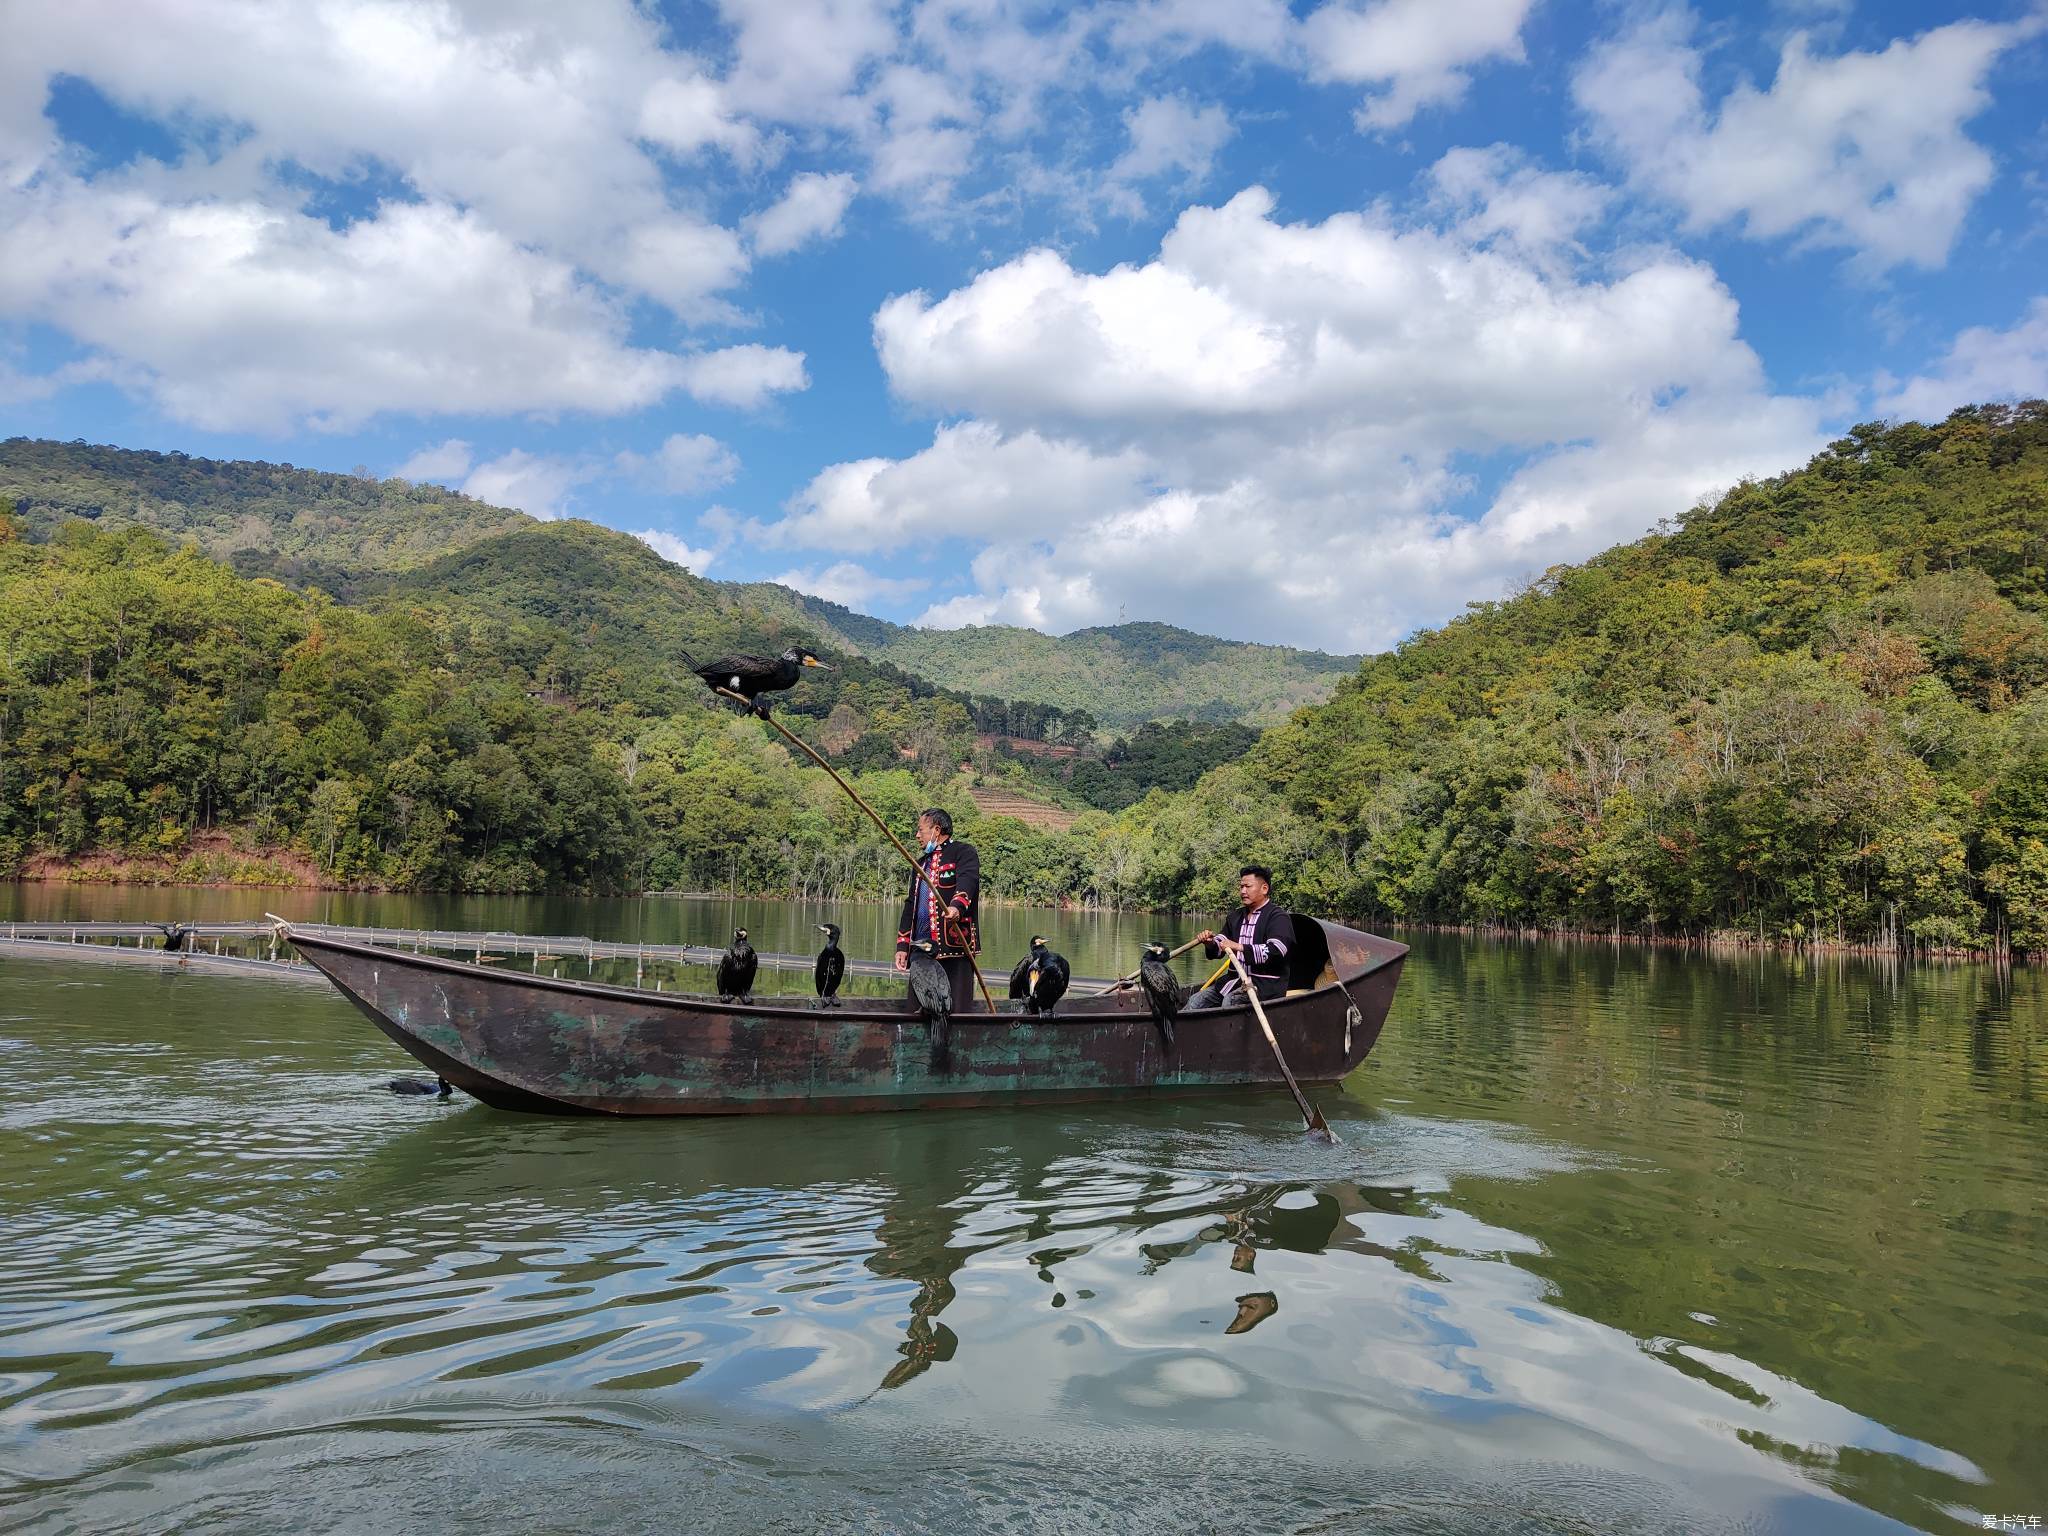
column 748, row 669
column 1020, row 980
column 1051, row 985
column 1162, row 991
column 829, row 971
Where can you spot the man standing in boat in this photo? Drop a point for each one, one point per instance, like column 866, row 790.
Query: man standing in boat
column 1259, row 933
column 944, row 906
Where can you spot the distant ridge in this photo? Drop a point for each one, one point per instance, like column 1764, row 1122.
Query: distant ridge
column 354, row 534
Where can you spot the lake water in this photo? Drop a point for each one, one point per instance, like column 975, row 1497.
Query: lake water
column 1615, row 1241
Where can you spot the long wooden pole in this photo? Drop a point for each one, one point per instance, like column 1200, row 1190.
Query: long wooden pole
column 1317, row 1125
column 851, row 794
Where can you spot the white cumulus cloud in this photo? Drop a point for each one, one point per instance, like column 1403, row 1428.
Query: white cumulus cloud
column 810, row 208
column 1272, row 429
column 1417, row 53
column 449, row 460
column 675, row 551
column 685, row 463
column 1863, row 151
column 535, row 483
column 1982, row 365
column 851, row 584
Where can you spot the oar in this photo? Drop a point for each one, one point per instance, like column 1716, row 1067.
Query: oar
column 1317, row 1125
column 1131, row 980
column 810, row 752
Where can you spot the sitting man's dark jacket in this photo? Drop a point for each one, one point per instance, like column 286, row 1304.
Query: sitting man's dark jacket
column 1268, row 939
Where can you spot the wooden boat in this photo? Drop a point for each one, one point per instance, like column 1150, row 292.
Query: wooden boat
column 553, row 1046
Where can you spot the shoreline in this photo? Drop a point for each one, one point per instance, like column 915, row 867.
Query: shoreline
column 110, row 874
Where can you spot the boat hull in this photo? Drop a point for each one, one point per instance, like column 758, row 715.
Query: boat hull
column 539, row 1044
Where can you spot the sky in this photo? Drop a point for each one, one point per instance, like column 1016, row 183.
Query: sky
column 1308, row 323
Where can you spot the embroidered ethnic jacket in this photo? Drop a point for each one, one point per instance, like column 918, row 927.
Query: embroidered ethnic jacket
column 953, row 893
column 1272, row 941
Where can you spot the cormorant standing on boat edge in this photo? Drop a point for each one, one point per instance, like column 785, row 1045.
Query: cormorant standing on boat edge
column 831, row 967
column 736, row 968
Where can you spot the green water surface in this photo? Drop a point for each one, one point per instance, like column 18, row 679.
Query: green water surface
column 1615, row 1241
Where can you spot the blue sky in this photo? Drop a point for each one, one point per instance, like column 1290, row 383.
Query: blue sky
column 1307, row 323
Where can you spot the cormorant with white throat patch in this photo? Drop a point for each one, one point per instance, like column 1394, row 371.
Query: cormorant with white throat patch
column 749, row 676
column 831, row 967
column 1040, row 978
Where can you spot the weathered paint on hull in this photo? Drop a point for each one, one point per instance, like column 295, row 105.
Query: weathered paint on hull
column 561, row 1047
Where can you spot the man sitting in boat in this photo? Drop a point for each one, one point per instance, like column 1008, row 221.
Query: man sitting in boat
column 942, row 906
column 1257, row 932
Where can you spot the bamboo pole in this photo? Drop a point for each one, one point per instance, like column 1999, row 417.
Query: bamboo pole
column 761, row 711
column 1313, row 1117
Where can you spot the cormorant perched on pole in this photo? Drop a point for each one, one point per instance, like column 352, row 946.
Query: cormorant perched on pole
column 831, row 967
column 932, row 990
column 748, row 676
column 1040, row 978
column 1161, row 990
column 736, row 968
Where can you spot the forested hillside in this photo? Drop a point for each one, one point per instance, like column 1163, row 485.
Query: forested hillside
column 1124, row 675
column 1817, row 709
column 299, row 525
column 343, row 533
column 1813, row 710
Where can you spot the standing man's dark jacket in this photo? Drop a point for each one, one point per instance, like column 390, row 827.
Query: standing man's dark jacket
column 1269, row 947
column 952, row 884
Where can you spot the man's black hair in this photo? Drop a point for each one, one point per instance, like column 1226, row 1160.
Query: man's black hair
column 939, row 819
column 1260, row 870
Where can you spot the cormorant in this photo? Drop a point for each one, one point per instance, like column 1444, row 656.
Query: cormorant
column 831, row 967
column 419, row 1086
column 748, row 676
column 1040, row 978
column 736, row 968
column 932, row 991
column 1161, row 990
column 175, row 936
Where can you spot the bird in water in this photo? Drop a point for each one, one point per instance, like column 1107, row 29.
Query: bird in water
column 736, row 968
column 419, row 1087
column 932, row 990
column 1040, row 978
column 749, row 676
column 831, row 967
column 1161, row 990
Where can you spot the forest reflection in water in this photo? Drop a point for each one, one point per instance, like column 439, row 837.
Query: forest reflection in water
column 1612, row 1242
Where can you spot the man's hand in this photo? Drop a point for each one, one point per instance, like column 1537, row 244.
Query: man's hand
column 1205, row 937
column 902, row 959
column 1229, row 946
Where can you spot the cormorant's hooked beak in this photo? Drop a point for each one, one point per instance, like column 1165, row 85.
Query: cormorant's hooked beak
column 812, row 661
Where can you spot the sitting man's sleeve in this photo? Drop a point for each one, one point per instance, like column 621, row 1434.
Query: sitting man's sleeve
column 1226, row 929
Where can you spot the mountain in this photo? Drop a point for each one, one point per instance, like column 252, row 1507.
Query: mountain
column 301, row 526
column 1817, row 709
column 1122, row 674
column 350, row 534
